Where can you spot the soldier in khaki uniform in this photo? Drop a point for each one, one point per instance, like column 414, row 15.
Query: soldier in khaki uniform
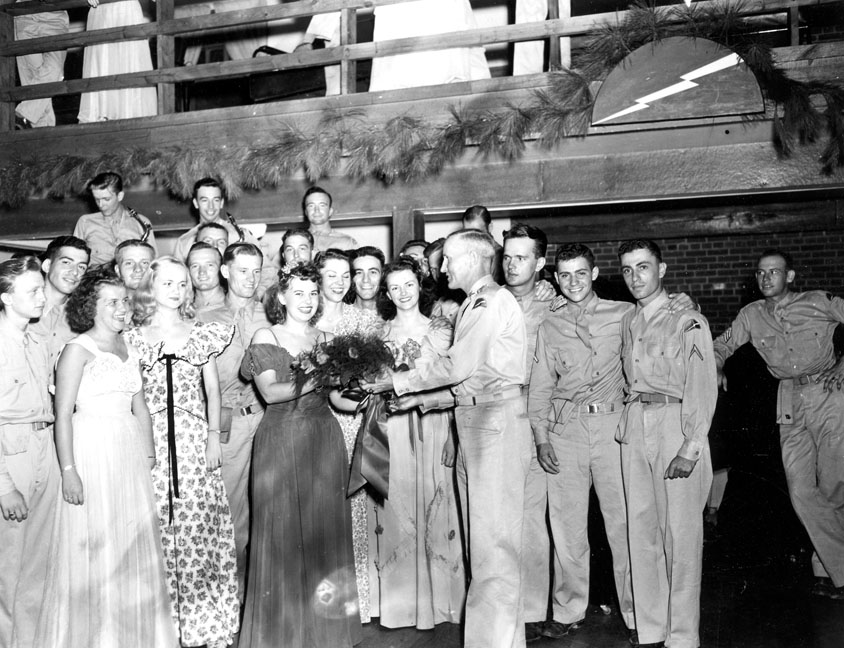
column 242, row 410
column 29, row 470
column 670, row 370
column 792, row 331
column 575, row 403
column 485, row 369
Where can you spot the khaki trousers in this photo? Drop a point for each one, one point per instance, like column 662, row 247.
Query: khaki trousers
column 237, row 462
column 24, row 546
column 536, row 571
column 588, row 454
column 813, row 458
column 665, row 526
column 495, row 445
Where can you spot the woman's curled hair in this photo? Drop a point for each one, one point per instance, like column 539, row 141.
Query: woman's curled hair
column 81, row 308
column 276, row 312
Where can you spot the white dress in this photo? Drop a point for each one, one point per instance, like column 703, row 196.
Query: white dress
column 117, row 58
column 106, row 584
column 424, row 18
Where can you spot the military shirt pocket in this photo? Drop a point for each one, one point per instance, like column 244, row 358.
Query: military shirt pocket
column 566, row 359
column 770, row 347
column 14, row 439
column 663, row 348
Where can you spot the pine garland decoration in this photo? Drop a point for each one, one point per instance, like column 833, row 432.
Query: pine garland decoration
column 407, row 149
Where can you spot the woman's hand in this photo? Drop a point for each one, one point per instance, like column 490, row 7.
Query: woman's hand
column 93, row 3
column 72, row 487
column 213, row 452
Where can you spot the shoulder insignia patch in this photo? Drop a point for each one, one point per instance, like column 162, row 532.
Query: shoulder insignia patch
column 691, row 325
column 480, row 302
column 695, row 352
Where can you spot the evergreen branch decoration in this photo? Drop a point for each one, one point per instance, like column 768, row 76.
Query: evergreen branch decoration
column 407, row 149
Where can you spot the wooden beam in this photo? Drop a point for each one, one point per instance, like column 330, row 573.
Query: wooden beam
column 226, row 20
column 408, row 224
column 597, row 224
column 205, row 23
column 7, row 70
column 28, row 7
column 166, row 49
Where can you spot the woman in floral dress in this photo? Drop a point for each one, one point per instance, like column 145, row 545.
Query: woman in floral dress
column 416, row 546
column 340, row 318
column 177, row 355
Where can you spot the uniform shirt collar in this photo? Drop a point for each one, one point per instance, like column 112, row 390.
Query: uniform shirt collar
column 648, row 311
column 481, row 283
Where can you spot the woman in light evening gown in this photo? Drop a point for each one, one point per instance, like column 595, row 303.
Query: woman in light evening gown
column 301, row 585
column 118, row 57
column 105, row 583
column 416, row 544
column 183, row 395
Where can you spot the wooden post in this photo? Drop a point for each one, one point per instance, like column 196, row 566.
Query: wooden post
column 794, row 26
column 166, row 48
column 407, row 225
column 559, row 52
column 7, row 69
column 348, row 36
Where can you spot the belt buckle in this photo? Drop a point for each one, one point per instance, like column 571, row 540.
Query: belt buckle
column 594, row 408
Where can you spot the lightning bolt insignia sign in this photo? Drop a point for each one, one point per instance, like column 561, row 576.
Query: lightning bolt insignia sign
column 687, row 83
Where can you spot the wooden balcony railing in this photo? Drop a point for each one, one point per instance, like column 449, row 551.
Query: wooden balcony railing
column 167, row 27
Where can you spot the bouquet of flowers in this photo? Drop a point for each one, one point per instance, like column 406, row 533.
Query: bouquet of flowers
column 343, row 361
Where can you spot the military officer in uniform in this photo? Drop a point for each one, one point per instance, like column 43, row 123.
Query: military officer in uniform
column 485, row 369
column 792, row 331
column 667, row 470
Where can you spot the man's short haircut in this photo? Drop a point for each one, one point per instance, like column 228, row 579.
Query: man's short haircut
column 106, row 180
column 198, row 247
column 640, row 244
column 413, row 243
column 211, row 225
column 571, row 251
column 130, row 243
column 785, row 256
column 477, row 212
column 367, row 250
column 241, row 249
column 540, row 240
column 313, row 190
column 297, row 231
column 207, row 182
column 60, row 242
column 475, row 241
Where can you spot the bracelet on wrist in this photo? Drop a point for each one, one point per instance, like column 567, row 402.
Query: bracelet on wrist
column 68, row 467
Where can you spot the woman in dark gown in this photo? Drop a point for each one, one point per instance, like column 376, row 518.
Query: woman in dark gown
column 301, row 589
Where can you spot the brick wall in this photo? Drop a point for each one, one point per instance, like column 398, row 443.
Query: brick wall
column 718, row 270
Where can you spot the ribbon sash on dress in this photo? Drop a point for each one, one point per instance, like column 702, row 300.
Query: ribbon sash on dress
column 173, row 485
column 371, row 456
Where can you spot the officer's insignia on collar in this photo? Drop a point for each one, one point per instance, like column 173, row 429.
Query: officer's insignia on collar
column 691, row 326
column 480, row 302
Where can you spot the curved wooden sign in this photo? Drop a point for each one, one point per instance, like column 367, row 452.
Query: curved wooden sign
column 677, row 78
